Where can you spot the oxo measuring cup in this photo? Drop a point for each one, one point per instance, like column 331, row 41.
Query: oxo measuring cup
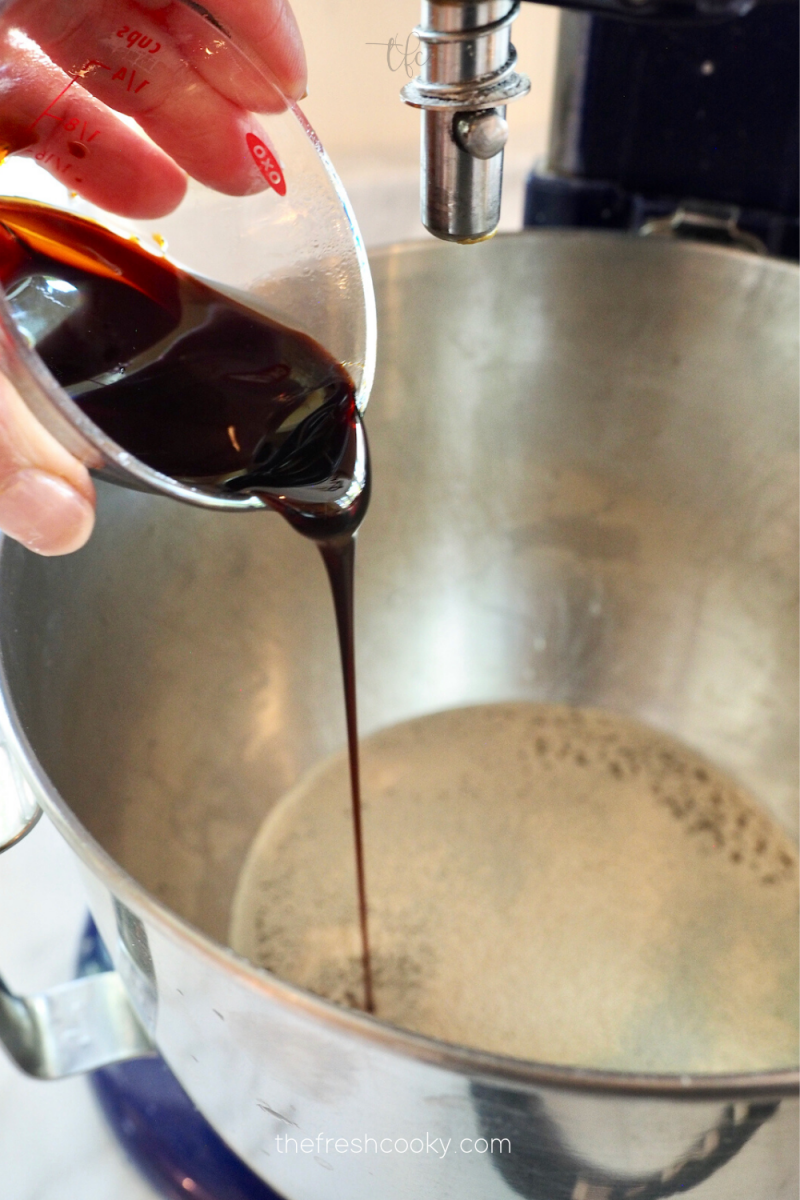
column 158, row 112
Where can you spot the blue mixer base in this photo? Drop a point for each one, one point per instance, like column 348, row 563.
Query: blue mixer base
column 157, row 1124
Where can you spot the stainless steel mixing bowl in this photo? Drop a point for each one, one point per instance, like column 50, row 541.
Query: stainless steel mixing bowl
column 585, row 486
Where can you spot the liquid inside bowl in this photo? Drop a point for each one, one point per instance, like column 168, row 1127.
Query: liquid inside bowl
column 552, row 883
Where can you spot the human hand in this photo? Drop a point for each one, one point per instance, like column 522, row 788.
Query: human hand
column 67, row 69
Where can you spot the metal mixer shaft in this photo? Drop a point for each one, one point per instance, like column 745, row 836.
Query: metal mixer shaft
column 468, row 76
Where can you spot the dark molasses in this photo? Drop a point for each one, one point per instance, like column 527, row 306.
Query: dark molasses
column 202, row 388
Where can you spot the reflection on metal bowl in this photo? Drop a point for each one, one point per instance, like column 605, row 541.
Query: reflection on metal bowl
column 585, row 480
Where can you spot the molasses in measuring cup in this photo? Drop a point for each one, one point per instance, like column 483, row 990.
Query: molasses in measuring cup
column 212, row 338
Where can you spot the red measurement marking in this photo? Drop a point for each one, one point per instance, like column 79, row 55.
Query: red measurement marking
column 47, row 112
column 47, row 161
column 122, row 75
column 93, row 62
column 134, row 38
column 72, row 124
column 267, row 163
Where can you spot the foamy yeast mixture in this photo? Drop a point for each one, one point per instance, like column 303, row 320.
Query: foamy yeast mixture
column 545, row 882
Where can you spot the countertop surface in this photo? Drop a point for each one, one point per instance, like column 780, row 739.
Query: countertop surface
column 54, row 1144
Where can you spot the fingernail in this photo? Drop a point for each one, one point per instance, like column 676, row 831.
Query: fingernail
column 44, row 513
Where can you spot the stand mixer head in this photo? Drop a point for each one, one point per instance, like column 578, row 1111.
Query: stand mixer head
column 717, row 123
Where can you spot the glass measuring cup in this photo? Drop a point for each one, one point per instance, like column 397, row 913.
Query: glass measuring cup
column 107, row 99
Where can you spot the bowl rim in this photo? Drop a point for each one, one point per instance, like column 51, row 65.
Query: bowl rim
column 462, row 1060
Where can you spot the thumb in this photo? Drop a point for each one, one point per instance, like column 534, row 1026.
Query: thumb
column 46, row 496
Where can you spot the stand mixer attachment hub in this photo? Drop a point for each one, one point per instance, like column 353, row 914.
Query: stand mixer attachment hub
column 468, row 76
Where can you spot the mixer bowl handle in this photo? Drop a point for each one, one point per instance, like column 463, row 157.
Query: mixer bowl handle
column 72, row 1028
column 76, row 1026
column 19, row 809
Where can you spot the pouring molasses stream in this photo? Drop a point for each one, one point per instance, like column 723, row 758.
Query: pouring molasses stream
column 234, row 381
column 230, row 707
column 541, row 759
column 202, row 389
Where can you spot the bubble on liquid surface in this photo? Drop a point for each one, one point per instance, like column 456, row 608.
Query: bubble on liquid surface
column 556, row 884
